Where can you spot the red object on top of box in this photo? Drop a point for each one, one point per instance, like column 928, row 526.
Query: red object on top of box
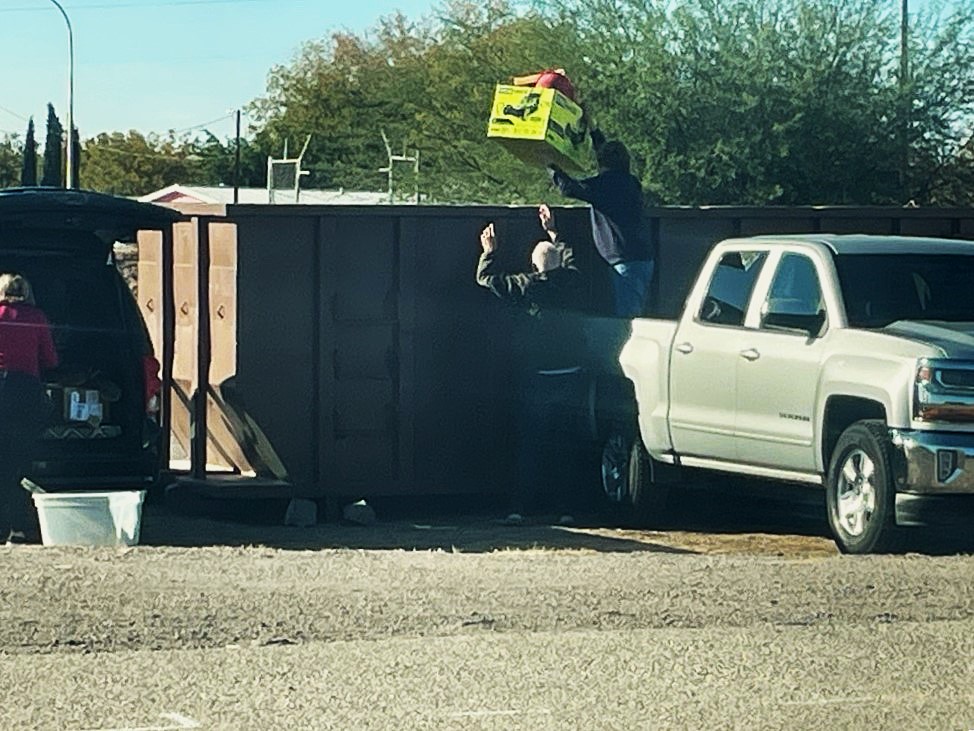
column 549, row 79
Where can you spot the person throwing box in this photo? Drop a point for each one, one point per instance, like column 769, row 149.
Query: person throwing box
column 618, row 225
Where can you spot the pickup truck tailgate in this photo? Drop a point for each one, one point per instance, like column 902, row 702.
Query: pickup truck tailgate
column 645, row 359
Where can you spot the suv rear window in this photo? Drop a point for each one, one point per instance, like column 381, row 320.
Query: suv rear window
column 75, row 295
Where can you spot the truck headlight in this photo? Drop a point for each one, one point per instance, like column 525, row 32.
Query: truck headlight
column 943, row 390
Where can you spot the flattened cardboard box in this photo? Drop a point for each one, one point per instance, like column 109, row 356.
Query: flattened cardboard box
column 540, row 126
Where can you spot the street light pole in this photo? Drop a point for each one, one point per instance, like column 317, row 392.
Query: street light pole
column 70, row 135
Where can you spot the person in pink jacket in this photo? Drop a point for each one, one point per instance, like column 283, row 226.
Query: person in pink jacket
column 26, row 350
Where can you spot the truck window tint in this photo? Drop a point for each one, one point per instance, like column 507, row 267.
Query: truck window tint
column 731, row 286
column 881, row 289
column 795, row 289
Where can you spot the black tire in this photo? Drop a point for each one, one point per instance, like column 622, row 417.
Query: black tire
column 616, row 451
column 859, row 492
column 648, row 495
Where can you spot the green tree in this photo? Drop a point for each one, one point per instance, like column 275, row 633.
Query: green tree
column 721, row 101
column 132, row 164
column 135, row 164
column 213, row 161
column 53, row 174
column 778, row 101
column 480, row 46
column 940, row 93
column 28, row 171
column 427, row 85
column 10, row 155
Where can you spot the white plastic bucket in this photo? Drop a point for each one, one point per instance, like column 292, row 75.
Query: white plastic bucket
column 90, row 518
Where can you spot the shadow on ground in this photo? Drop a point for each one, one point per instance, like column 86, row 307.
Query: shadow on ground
column 703, row 520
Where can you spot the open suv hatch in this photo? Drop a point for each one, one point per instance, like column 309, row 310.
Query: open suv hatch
column 103, row 426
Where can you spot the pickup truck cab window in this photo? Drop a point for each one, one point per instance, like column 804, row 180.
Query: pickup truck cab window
column 879, row 290
column 731, row 287
column 794, row 301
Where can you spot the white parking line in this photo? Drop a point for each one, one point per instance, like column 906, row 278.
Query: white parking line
column 831, row 701
column 181, row 721
column 483, row 714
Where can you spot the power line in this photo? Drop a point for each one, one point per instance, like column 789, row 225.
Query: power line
column 204, row 124
column 140, row 155
column 120, row 5
column 12, row 113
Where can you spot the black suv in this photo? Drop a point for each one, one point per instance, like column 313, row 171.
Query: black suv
column 103, row 429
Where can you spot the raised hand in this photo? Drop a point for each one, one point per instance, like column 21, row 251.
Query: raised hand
column 488, row 239
column 547, row 219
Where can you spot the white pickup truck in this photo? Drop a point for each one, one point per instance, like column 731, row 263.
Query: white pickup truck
column 841, row 361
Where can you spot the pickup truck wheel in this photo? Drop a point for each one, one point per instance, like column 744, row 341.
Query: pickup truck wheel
column 859, row 492
column 615, row 467
column 647, row 495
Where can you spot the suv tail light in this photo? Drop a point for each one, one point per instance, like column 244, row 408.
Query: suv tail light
column 153, row 384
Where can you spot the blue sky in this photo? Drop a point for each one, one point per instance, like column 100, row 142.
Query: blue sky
column 155, row 65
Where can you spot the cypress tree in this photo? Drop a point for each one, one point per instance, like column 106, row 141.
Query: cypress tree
column 28, row 173
column 53, row 166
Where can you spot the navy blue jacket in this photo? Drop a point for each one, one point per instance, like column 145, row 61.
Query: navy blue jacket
column 618, row 224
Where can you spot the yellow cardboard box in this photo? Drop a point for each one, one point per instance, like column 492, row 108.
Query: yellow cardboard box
column 540, row 126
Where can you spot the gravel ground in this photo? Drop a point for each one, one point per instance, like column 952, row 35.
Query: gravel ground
column 199, row 582
column 453, row 621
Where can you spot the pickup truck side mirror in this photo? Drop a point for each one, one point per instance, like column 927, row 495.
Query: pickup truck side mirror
column 810, row 325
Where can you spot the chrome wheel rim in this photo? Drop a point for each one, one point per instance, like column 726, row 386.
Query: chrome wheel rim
column 615, row 467
column 856, row 493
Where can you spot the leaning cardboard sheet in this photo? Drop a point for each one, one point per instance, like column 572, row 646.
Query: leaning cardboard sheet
column 540, row 124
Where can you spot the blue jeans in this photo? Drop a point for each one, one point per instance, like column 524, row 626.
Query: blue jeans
column 630, row 287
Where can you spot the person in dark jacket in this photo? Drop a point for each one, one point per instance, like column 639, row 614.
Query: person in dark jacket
column 619, row 228
column 26, row 349
column 553, row 378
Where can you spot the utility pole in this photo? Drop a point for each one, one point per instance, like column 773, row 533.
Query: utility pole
column 414, row 159
column 236, row 164
column 70, row 146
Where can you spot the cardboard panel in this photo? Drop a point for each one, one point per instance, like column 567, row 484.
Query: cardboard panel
column 150, row 285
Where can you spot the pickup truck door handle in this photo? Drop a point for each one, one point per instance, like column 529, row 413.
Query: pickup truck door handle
column 685, row 348
column 750, row 354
